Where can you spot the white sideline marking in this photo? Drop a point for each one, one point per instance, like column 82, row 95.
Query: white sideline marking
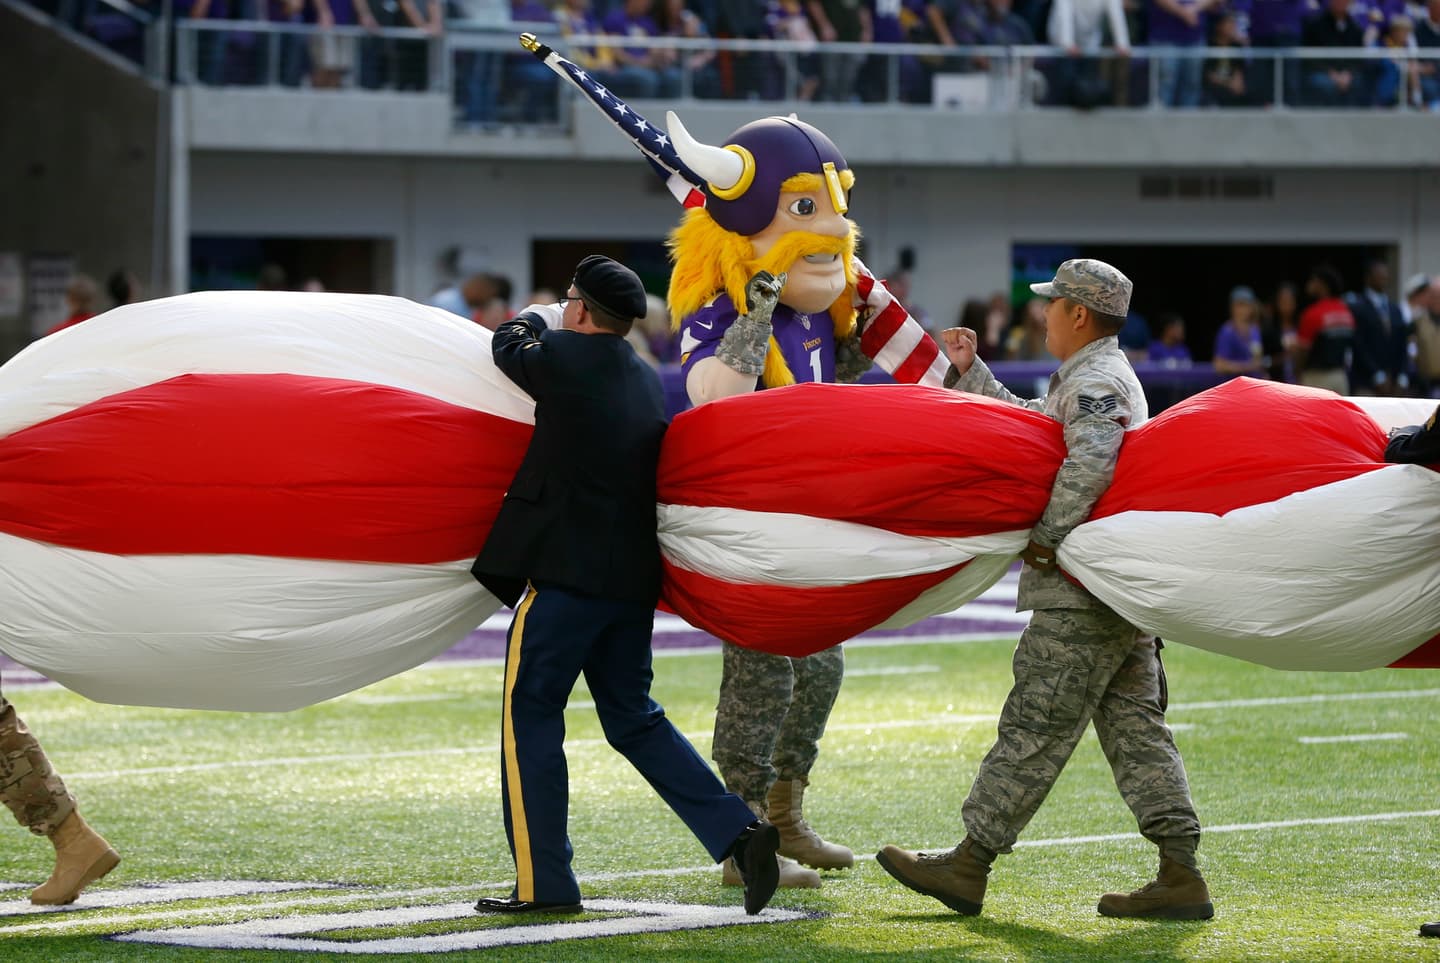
column 705, row 736
column 1364, row 737
column 277, row 934
column 1241, row 827
column 157, row 893
column 892, row 670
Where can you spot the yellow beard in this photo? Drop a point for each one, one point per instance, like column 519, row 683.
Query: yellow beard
column 710, row 260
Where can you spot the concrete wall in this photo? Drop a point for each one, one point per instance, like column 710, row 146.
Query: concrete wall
column 961, row 221
column 80, row 154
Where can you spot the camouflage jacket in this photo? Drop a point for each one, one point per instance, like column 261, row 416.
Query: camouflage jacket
column 1096, row 396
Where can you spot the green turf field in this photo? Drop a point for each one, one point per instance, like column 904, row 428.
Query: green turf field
column 1318, row 791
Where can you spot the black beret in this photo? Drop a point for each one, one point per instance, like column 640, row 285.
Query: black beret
column 610, row 285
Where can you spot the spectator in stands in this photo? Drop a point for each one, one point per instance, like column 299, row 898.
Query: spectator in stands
column 840, row 21
column 1178, row 25
column 744, row 74
column 898, row 281
column 1338, row 82
column 1226, row 82
column 534, row 87
column 1422, row 296
column 272, row 277
column 1381, row 336
column 124, row 288
column 1026, row 340
column 332, row 57
column 294, row 56
column 894, row 22
column 787, row 21
column 1326, row 334
column 1275, row 24
column 629, row 82
column 989, row 326
column 1238, row 348
column 478, row 73
column 412, row 57
column 646, row 70
column 677, row 20
column 1427, row 39
column 1002, row 27
column 80, row 295
column 468, row 296
column 1279, row 320
column 1078, row 27
column 1170, row 348
column 1397, row 79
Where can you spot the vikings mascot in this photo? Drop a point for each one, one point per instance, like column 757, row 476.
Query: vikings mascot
column 762, row 294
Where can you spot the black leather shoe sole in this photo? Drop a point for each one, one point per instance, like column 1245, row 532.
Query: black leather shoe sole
column 962, row 906
column 1430, row 929
column 497, row 904
column 760, row 870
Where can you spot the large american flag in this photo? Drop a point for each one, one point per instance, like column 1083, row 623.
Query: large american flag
column 896, row 341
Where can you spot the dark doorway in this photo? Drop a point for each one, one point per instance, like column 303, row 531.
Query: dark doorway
column 1194, row 280
column 352, row 265
column 554, row 262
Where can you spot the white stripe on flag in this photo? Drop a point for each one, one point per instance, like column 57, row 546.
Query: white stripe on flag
column 774, row 548
column 901, row 343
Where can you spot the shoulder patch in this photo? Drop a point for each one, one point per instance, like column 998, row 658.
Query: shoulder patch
column 1105, row 405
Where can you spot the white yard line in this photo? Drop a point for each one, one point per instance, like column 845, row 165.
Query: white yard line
column 1362, row 737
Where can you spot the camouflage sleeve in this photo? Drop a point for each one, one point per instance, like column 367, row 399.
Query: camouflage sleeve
column 1095, row 422
column 850, row 361
column 980, row 381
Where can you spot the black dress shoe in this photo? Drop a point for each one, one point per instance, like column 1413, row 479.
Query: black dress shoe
column 498, row 904
column 754, row 855
column 1430, row 929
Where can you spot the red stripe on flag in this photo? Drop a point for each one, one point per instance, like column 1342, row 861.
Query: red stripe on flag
column 913, row 368
column 1243, row 443
column 1425, row 657
column 279, row 465
column 882, row 328
column 785, row 620
column 913, row 460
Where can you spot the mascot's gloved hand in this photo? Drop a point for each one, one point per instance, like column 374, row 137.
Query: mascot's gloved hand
column 743, row 346
column 850, row 361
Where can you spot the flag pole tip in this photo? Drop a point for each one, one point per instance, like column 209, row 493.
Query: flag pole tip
column 530, row 42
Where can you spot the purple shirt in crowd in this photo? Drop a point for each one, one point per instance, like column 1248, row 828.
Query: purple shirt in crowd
column 1166, row 28
column 807, row 341
column 1232, row 347
column 1162, row 352
column 889, row 18
column 621, row 24
column 1272, row 20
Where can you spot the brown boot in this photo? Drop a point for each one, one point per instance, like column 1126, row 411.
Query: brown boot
column 81, row 857
column 797, row 839
column 1176, row 893
column 956, row 878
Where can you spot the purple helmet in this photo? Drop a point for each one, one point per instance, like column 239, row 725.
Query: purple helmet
column 743, row 178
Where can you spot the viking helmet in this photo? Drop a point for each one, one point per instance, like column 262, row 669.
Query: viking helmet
column 743, row 178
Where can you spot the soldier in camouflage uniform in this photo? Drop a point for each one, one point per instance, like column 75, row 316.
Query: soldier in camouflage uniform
column 1077, row 661
column 30, row 788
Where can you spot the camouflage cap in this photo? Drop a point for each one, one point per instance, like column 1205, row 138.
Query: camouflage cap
column 1092, row 283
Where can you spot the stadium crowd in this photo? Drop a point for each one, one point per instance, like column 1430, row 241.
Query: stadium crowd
column 1092, row 39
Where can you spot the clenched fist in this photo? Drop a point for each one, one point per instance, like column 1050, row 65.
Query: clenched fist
column 762, row 292
column 960, row 345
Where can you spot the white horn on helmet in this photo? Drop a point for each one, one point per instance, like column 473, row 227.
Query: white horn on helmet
column 723, row 169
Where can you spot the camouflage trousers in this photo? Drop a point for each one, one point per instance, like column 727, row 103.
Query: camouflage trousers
column 28, row 786
column 771, row 715
column 1073, row 666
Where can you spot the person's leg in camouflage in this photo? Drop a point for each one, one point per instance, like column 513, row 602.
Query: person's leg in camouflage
column 1150, row 775
column 817, row 683
column 1062, row 666
column 31, row 789
column 756, row 691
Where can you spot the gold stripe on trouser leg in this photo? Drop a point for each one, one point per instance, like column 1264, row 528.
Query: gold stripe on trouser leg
column 524, row 867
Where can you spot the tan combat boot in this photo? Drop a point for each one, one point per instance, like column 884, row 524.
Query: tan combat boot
column 81, row 857
column 956, row 878
column 797, row 839
column 1176, row 893
column 792, row 874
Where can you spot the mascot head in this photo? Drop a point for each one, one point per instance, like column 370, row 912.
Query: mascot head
column 776, row 195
